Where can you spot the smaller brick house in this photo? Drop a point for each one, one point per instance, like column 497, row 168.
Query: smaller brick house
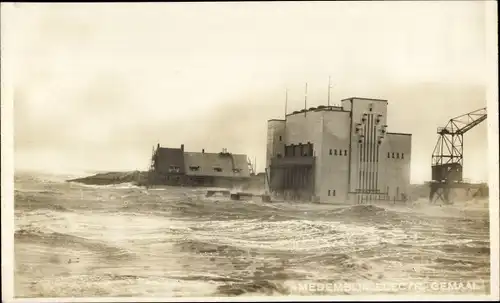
column 174, row 166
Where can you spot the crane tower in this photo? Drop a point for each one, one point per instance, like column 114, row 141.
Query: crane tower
column 448, row 155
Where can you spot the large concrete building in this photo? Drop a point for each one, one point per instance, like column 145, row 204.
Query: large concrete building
column 338, row 154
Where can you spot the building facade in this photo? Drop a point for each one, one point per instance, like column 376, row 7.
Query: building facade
column 176, row 167
column 338, row 154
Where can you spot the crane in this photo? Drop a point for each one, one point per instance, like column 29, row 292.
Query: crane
column 448, row 155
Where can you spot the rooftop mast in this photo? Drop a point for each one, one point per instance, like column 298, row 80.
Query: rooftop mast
column 305, row 102
column 329, row 87
column 286, row 101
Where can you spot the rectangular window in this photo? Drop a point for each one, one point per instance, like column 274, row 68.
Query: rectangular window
column 237, row 170
column 218, row 169
column 335, row 152
column 280, row 138
column 402, row 155
column 194, row 168
column 334, row 192
column 174, row 169
column 388, row 155
column 393, row 155
column 345, row 152
column 328, row 192
column 330, row 151
column 397, row 155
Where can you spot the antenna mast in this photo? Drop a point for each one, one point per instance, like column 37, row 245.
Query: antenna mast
column 305, row 102
column 286, row 101
column 329, row 87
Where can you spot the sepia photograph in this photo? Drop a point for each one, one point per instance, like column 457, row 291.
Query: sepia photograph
column 257, row 151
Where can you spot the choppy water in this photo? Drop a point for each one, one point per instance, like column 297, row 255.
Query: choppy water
column 78, row 240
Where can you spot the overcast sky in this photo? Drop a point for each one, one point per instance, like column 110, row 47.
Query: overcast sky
column 97, row 85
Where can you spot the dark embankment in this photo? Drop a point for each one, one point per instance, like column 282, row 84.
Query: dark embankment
column 140, row 178
column 256, row 182
column 474, row 191
column 136, row 177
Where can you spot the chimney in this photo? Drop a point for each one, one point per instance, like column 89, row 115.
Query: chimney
column 203, row 151
column 182, row 147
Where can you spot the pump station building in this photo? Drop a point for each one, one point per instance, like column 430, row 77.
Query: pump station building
column 338, row 154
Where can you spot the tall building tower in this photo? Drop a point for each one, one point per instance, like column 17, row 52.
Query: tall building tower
column 338, row 154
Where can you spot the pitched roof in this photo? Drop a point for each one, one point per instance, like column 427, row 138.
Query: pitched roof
column 166, row 157
column 216, row 164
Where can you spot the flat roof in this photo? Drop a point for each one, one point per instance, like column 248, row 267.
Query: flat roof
column 320, row 108
column 399, row 134
column 370, row 99
column 276, row 120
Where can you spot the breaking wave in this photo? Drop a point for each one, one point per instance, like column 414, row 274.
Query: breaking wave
column 55, row 239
